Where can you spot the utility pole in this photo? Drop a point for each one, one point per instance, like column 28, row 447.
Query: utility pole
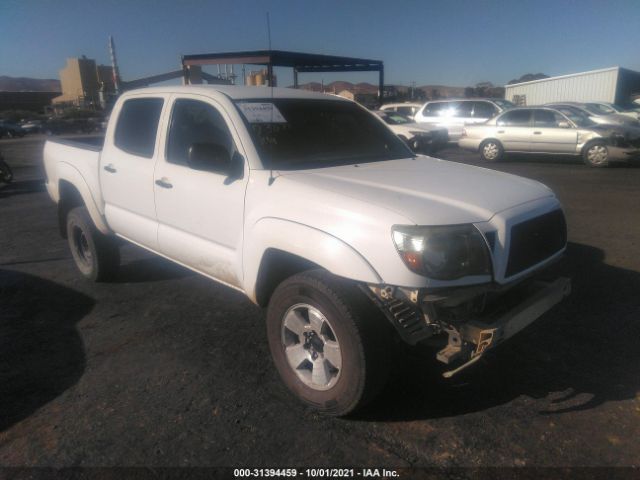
column 114, row 66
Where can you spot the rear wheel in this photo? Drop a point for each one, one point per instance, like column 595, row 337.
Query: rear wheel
column 491, row 151
column 596, row 155
column 96, row 255
column 328, row 342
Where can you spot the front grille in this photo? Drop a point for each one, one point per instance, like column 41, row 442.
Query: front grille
column 535, row 240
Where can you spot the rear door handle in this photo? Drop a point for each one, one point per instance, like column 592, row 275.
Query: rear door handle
column 537, row 133
column 110, row 168
column 500, row 131
column 164, row 183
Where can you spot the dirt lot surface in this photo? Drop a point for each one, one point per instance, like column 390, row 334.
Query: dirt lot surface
column 166, row 368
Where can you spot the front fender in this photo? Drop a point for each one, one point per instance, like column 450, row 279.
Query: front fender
column 69, row 173
column 307, row 242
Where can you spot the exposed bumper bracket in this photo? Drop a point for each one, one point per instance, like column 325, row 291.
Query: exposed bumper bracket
column 486, row 334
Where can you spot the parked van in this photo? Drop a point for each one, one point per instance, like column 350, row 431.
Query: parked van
column 454, row 114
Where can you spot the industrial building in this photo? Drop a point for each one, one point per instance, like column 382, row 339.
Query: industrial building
column 299, row 62
column 84, row 83
column 614, row 85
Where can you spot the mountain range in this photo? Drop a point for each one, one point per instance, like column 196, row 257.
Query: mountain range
column 25, row 84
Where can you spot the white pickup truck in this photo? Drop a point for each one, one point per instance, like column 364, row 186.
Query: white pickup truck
column 313, row 208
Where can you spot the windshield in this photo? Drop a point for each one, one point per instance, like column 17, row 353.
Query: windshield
column 576, row 116
column 504, row 104
column 295, row 134
column 599, row 109
column 626, row 107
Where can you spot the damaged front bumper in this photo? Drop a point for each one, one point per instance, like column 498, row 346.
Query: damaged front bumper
column 479, row 336
column 623, row 154
column 470, row 335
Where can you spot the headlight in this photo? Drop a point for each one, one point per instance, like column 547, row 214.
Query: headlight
column 443, row 252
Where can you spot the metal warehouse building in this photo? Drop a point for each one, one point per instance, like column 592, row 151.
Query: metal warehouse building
column 615, row 85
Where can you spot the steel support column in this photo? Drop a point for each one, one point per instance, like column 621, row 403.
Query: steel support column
column 381, row 86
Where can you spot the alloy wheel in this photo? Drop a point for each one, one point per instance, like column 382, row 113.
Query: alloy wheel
column 311, row 346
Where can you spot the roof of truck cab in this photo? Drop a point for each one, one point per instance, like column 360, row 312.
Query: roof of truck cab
column 238, row 93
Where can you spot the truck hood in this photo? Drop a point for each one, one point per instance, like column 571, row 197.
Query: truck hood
column 425, row 190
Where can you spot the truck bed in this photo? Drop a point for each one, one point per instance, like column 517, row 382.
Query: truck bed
column 76, row 160
column 94, row 142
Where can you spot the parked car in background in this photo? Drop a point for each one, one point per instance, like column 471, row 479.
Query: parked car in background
column 455, row 114
column 557, row 131
column 32, row 126
column 421, row 138
column 63, row 126
column 597, row 115
column 610, row 108
column 408, row 108
column 11, row 130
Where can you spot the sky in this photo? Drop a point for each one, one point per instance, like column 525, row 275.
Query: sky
column 457, row 43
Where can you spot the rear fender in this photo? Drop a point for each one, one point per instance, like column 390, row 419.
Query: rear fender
column 69, row 173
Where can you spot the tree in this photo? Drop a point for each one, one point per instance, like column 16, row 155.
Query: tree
column 528, row 77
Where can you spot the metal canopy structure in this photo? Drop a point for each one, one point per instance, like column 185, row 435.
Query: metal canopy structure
column 300, row 62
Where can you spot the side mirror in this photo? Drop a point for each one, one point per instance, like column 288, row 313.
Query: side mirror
column 564, row 125
column 209, row 157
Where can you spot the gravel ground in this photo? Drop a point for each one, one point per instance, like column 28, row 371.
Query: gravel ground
column 166, row 368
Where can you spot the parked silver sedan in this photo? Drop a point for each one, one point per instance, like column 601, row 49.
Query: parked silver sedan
column 598, row 114
column 557, row 131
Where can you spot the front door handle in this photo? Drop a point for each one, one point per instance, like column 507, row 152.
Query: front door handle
column 537, row 133
column 500, row 131
column 110, row 168
column 164, row 183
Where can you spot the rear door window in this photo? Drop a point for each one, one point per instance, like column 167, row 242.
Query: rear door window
column 406, row 110
column 463, row 109
column 435, row 109
column 515, row 118
column 137, row 126
column 484, row 110
column 546, row 118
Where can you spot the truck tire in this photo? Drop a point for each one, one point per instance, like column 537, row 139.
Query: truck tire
column 491, row 151
column 328, row 341
column 96, row 255
column 596, row 154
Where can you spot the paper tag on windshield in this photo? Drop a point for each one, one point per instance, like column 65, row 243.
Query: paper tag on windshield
column 261, row 113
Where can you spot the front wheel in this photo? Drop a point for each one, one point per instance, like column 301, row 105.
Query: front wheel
column 491, row 151
column 596, row 155
column 96, row 255
column 328, row 342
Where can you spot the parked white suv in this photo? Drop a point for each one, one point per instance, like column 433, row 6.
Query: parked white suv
column 312, row 207
column 455, row 114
